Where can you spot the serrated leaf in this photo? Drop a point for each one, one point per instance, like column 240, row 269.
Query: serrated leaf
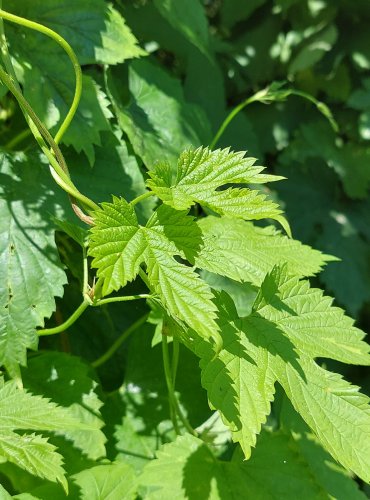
column 240, row 380
column 334, row 409
column 333, row 478
column 119, row 246
column 20, row 410
column 182, row 292
column 96, row 31
column 69, row 383
column 186, row 468
column 257, row 351
column 243, row 252
column 200, row 172
column 30, row 270
column 34, row 454
column 309, row 320
column 111, row 481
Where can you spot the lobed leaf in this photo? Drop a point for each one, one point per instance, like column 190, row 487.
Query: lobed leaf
column 243, row 252
column 201, row 172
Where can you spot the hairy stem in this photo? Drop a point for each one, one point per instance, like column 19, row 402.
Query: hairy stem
column 121, row 339
column 64, row 326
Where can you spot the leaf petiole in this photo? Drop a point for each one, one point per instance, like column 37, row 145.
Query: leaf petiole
column 121, row 339
column 69, row 322
column 126, row 298
column 142, row 197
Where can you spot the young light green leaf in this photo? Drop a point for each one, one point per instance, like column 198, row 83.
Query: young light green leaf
column 108, row 482
column 119, row 246
column 243, row 252
column 200, row 172
column 309, row 320
column 34, row 454
column 258, row 351
column 20, row 410
column 186, row 468
column 337, row 413
column 70, row 383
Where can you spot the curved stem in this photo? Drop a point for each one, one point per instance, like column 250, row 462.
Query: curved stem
column 125, row 298
column 72, row 56
column 121, row 339
column 142, row 197
column 171, row 390
column 265, row 97
column 64, row 326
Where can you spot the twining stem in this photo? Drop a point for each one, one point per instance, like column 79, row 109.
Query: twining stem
column 56, row 160
column 72, row 56
column 121, row 339
column 64, row 326
column 173, row 402
column 263, row 96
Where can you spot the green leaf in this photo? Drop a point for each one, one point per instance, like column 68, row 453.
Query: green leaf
column 337, row 413
column 115, row 171
column 111, row 481
column 48, row 81
column 334, row 479
column 69, row 383
column 20, row 410
column 309, row 320
column 186, row 468
column 30, row 270
column 158, row 120
column 243, row 252
column 201, row 171
column 233, row 11
column 34, row 454
column 240, row 380
column 261, row 349
column 119, row 246
column 189, row 19
column 96, row 31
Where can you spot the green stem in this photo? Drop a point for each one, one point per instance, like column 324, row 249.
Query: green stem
column 142, row 197
column 72, row 56
column 57, row 160
column 229, row 118
column 126, row 298
column 175, row 359
column 17, row 139
column 117, row 344
column 64, row 326
column 167, row 374
column 171, row 390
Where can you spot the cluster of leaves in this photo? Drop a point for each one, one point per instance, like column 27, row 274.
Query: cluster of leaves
column 245, row 408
